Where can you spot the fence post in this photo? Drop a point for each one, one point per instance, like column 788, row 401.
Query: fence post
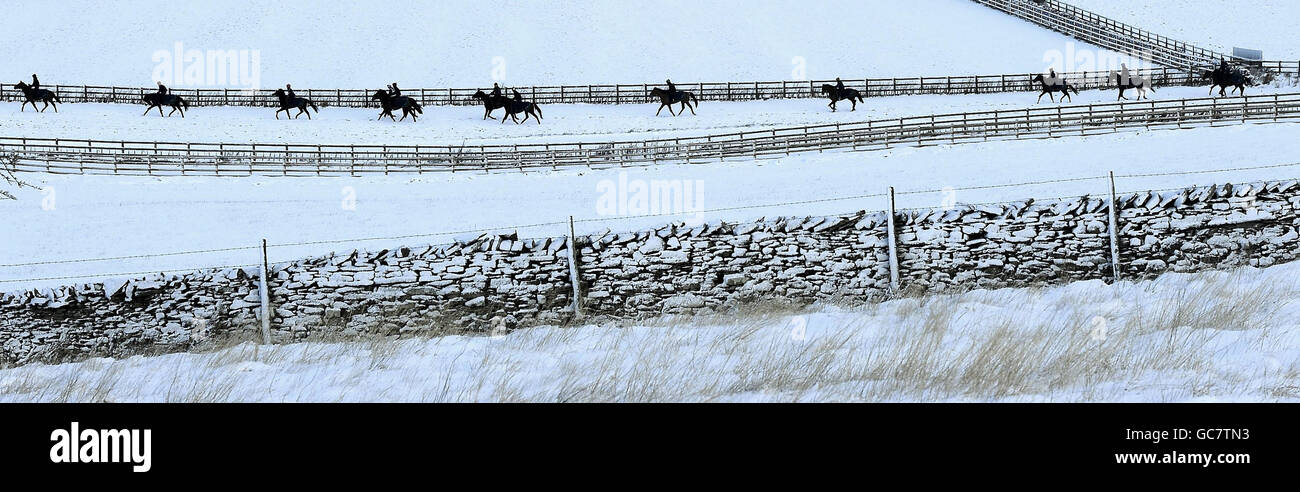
column 893, row 244
column 1114, row 230
column 574, row 278
column 263, row 291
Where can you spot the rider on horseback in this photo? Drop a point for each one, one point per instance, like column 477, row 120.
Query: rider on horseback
column 289, row 87
column 839, row 86
column 672, row 89
column 36, row 83
column 496, row 90
column 162, row 89
column 395, row 91
column 1223, row 66
column 518, row 98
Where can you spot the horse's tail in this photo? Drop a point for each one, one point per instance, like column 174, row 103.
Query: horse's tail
column 183, row 102
column 313, row 105
column 416, row 104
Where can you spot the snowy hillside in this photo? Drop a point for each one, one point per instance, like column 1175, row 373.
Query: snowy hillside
column 461, row 43
column 99, row 216
column 1268, row 25
column 1215, row 336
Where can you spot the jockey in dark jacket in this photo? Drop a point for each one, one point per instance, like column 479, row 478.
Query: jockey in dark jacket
column 289, row 87
column 839, row 86
column 396, row 92
column 162, row 89
column 1223, row 66
column 496, row 90
column 672, row 89
column 36, row 83
column 518, row 98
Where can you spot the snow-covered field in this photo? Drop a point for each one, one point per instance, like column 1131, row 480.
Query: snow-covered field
column 105, row 216
column 1268, row 25
column 1212, row 336
column 454, row 125
column 312, row 43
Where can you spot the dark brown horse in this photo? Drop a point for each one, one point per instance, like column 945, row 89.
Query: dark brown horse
column 667, row 100
column 287, row 103
column 1056, row 85
column 388, row 102
column 836, row 95
column 491, row 103
column 156, row 100
column 515, row 107
column 34, row 96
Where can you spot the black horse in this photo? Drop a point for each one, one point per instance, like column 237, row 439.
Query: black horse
column 835, row 95
column 1055, row 86
column 515, row 107
column 1223, row 80
column 286, row 104
column 491, row 103
column 34, row 96
column 159, row 100
column 409, row 106
column 668, row 100
column 1142, row 84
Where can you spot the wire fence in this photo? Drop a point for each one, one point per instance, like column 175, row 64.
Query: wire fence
column 72, row 156
column 515, row 228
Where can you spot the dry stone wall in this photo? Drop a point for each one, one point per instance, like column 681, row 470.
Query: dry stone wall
column 502, row 281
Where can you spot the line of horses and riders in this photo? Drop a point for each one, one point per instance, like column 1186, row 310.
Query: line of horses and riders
column 391, row 99
column 1223, row 77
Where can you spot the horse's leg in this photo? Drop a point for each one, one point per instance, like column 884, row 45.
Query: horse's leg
column 56, row 106
column 537, row 117
column 855, row 105
column 277, row 113
column 692, row 108
column 1040, row 97
column 661, row 109
column 160, row 114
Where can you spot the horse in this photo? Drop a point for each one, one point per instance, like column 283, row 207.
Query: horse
column 667, row 100
column 1223, row 80
column 34, row 96
column 515, row 107
column 835, row 95
column 1142, row 84
column 286, row 104
column 409, row 106
column 1063, row 87
column 159, row 100
column 491, row 103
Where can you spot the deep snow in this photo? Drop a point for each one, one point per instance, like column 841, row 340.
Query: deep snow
column 1183, row 337
column 328, row 44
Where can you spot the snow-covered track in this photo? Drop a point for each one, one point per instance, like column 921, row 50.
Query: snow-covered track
column 1107, row 33
column 640, row 93
column 69, row 156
